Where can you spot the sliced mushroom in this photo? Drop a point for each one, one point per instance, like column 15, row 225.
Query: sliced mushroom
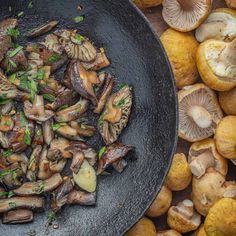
column 120, row 165
column 4, row 141
column 83, row 129
column 185, row 15
column 21, row 159
column 7, row 108
column 22, row 96
column 73, row 112
column 6, row 123
column 30, row 202
column 48, row 133
column 41, row 186
column 9, row 23
column 38, row 136
column 68, row 132
column 36, row 110
column 5, row 43
column 116, row 115
column 7, row 89
column 68, row 74
column 51, row 42
column 199, row 112
column 57, row 166
column 81, row 198
column 44, row 171
column 111, row 154
column 17, row 216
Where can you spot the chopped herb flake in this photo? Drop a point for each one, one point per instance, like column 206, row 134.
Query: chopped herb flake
column 78, row 19
column 79, row 38
column 27, row 138
column 41, row 73
column 20, row 14
column 7, row 153
column 53, row 58
column 40, row 187
column 12, row 78
column 31, row 161
column 12, row 205
column 49, row 97
column 33, row 89
column 62, row 107
column 23, row 120
column 101, row 152
column 51, row 217
column 30, row 5
column 14, row 33
column 15, row 51
column 31, row 233
column 120, row 103
column 57, row 126
column 82, row 125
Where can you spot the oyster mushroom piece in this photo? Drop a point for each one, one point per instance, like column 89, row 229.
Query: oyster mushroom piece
column 48, row 133
column 183, row 218
column 51, row 42
column 68, row 132
column 83, row 129
column 39, row 187
column 220, row 24
column 57, row 166
column 199, row 112
column 7, row 89
column 68, row 74
column 4, row 141
column 185, row 15
column 203, row 155
column 17, row 216
column 228, row 101
column 36, row 110
column 116, row 114
column 44, row 171
column 81, row 198
column 111, row 154
column 216, row 62
column 21, row 159
column 72, row 112
column 38, row 136
column 30, row 202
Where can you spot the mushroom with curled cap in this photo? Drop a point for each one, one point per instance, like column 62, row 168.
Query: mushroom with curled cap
column 199, row 112
column 185, row 15
column 220, row 24
column 227, row 101
column 203, row 155
column 183, row 218
column 216, row 62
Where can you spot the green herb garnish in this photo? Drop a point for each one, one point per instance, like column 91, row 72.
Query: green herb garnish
column 6, row 172
column 8, row 123
column 12, row 205
column 7, row 153
column 101, row 152
column 23, row 120
column 33, row 89
column 20, row 14
column 120, row 103
column 82, row 125
column 30, row 5
column 15, row 51
column 41, row 73
column 53, row 58
column 35, row 46
column 49, row 97
column 79, row 38
column 10, row 194
column 51, row 217
column 27, row 138
column 3, row 102
column 14, row 33
column 40, row 187
column 31, row 161
column 78, row 19
column 11, row 64
column 57, row 126
column 62, row 107
column 13, row 175
column 12, row 78
column 24, row 83
column 101, row 118
column 31, row 233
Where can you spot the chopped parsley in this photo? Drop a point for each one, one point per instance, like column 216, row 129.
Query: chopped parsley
column 41, row 73
column 101, row 118
column 57, row 126
column 30, row 5
column 33, row 89
column 49, row 97
column 14, row 33
column 12, row 205
column 23, row 120
column 53, row 58
column 12, row 78
column 51, row 217
column 40, row 187
column 8, row 123
column 20, row 14
column 27, row 138
column 7, row 172
column 31, row 161
column 7, row 194
column 120, row 103
column 31, row 233
column 82, row 125
column 7, row 153
column 15, row 51
column 24, row 83
column 79, row 38
column 78, row 19
column 101, row 152
column 62, row 107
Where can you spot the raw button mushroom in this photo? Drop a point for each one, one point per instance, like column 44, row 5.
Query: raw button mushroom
column 228, row 101
column 185, row 15
column 216, row 62
column 183, row 218
column 220, row 24
column 199, row 112
column 203, row 155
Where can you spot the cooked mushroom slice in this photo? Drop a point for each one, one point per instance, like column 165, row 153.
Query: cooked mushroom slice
column 216, row 62
column 51, row 42
column 38, row 136
column 44, row 171
column 17, row 216
column 41, row 186
column 7, row 24
column 90, row 155
column 199, row 112
column 68, row 74
column 72, row 112
column 5, row 44
column 34, row 163
column 36, row 110
column 76, row 46
column 6, row 123
column 231, row 3
column 110, row 154
column 48, row 133
column 185, row 15
column 7, row 109
column 220, row 24
column 57, row 166
column 4, row 141
column 115, row 117
column 21, row 159
column 7, row 89
column 203, row 155
column 60, row 194
column 83, row 129
column 22, row 96
column 66, row 131
column 42, row 29
column 33, row 203
column 183, row 218
column 81, row 198
column 86, row 177
column 120, row 165
column 107, row 88
column 83, row 81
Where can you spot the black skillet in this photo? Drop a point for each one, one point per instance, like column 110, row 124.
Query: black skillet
column 137, row 59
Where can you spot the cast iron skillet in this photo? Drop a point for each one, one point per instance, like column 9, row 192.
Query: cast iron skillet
column 137, row 59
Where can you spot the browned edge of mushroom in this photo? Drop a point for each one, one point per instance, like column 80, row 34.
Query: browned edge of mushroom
column 17, row 216
column 81, row 198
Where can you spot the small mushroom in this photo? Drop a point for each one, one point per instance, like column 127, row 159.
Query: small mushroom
column 228, row 101
column 161, row 204
column 221, row 218
column 219, row 25
column 9, row 23
column 216, row 63
column 17, row 216
column 48, row 133
column 21, row 159
column 169, row 232
column 183, row 218
column 231, row 3
column 50, row 86
column 44, row 171
column 179, row 176
column 225, row 137
column 81, row 198
column 185, row 15
column 51, row 42
column 203, row 155
column 199, row 112
column 6, row 123
column 7, row 89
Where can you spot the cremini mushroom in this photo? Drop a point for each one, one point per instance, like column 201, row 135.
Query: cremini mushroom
column 227, row 101
column 220, row 24
column 199, row 112
column 200, row 231
column 183, row 218
column 203, row 155
column 143, row 227
column 169, row 232
column 181, row 49
column 220, row 220
column 216, row 62
column 185, row 15
column 231, row 3
column 226, row 137
column 161, row 204
column 179, row 176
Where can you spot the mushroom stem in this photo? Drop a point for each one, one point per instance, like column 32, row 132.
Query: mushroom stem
column 38, row 106
column 187, row 4
column 199, row 165
column 201, row 116
column 228, row 53
column 186, row 208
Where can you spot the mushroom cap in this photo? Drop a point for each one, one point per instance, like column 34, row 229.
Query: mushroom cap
column 226, row 137
column 200, row 231
column 228, row 101
column 147, row 3
column 207, row 148
column 181, row 49
column 216, row 64
column 179, row 176
column 197, row 95
column 143, row 227
column 231, row 3
column 169, row 232
column 221, row 219
column 185, row 15
column 161, row 204
column 220, row 24
column 207, row 190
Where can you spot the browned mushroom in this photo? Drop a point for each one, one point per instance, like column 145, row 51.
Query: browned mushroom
column 83, row 129
column 17, row 216
column 48, row 133
column 6, row 123
column 68, row 74
column 44, row 165
column 4, row 141
column 120, row 165
column 50, row 86
column 51, row 42
column 7, row 108
column 21, row 159
column 81, row 198
column 38, row 136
